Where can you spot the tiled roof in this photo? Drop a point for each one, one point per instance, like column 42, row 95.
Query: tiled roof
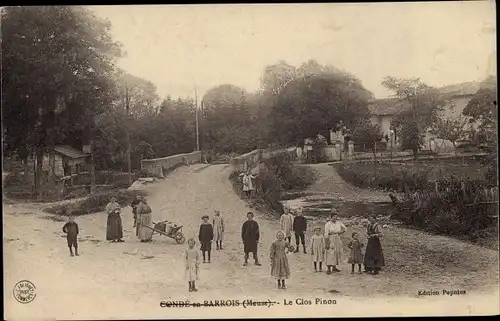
column 392, row 106
column 69, row 151
column 387, row 106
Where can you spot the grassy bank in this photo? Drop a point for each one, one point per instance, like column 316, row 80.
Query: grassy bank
column 458, row 208
column 276, row 175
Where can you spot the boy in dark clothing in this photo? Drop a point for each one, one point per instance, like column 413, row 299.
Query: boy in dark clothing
column 71, row 230
column 250, row 236
column 300, row 227
column 206, row 236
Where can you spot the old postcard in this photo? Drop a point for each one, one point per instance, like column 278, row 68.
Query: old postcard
column 250, row 161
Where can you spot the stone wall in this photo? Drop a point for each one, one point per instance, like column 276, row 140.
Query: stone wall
column 252, row 159
column 157, row 165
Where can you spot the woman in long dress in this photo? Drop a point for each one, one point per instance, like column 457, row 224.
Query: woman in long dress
column 114, row 228
column 374, row 256
column 218, row 224
column 144, row 218
column 333, row 229
column 279, row 262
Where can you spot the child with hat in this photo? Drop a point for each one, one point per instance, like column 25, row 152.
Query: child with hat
column 317, row 249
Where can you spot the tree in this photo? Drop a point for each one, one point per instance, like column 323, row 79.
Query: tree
column 482, row 110
column 452, row 129
column 424, row 104
column 276, row 77
column 368, row 134
column 57, row 74
column 313, row 104
column 143, row 98
column 227, row 121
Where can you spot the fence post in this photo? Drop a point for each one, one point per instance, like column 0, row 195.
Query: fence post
column 436, row 186
column 462, row 184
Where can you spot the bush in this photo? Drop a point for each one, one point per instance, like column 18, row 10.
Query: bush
column 94, row 203
column 452, row 213
column 276, row 175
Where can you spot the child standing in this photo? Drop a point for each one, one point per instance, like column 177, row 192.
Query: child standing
column 206, row 235
column 192, row 263
column 218, row 222
column 317, row 248
column 355, row 257
column 71, row 230
column 279, row 261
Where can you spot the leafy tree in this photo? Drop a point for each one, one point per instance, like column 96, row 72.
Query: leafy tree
column 452, row 129
column 312, row 104
column 482, row 109
column 57, row 74
column 368, row 134
column 228, row 120
column 276, row 77
column 424, row 104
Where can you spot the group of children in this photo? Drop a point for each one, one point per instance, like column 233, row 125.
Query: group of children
column 320, row 245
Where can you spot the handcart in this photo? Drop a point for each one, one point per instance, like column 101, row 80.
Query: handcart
column 168, row 229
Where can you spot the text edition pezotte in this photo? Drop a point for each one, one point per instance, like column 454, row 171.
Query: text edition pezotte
column 442, row 292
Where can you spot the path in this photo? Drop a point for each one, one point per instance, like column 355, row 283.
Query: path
column 128, row 280
column 329, row 182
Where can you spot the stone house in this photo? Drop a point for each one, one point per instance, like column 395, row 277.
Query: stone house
column 456, row 96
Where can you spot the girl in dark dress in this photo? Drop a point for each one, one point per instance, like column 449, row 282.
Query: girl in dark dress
column 374, row 256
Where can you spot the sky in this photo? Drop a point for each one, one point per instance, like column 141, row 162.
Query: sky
column 180, row 47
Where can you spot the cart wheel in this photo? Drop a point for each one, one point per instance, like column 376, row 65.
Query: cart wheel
column 179, row 238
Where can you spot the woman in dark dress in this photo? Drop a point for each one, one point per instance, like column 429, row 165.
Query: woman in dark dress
column 114, row 229
column 374, row 256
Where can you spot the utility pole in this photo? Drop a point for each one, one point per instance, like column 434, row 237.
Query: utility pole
column 127, row 119
column 92, row 168
column 197, row 122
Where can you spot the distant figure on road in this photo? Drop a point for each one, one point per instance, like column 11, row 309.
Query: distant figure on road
column 134, row 204
column 206, row 235
column 300, row 227
column 71, row 230
column 374, row 256
column 333, row 229
column 280, row 269
column 144, row 218
column 248, row 186
column 286, row 223
column 191, row 264
column 250, row 236
column 218, row 223
column 114, row 228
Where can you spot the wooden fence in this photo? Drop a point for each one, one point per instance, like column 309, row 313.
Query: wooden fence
column 253, row 158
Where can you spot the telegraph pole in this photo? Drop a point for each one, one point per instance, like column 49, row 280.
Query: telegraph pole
column 197, row 122
column 127, row 108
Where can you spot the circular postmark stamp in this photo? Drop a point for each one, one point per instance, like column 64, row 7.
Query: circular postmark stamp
column 24, row 291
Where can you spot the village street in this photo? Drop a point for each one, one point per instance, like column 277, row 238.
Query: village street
column 128, row 280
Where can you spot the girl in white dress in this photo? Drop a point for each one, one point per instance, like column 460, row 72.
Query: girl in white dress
column 191, row 264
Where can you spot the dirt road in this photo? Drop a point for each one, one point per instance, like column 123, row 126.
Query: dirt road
column 128, row 280
column 328, row 181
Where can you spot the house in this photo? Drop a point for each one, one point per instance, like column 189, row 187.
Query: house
column 68, row 160
column 456, row 96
